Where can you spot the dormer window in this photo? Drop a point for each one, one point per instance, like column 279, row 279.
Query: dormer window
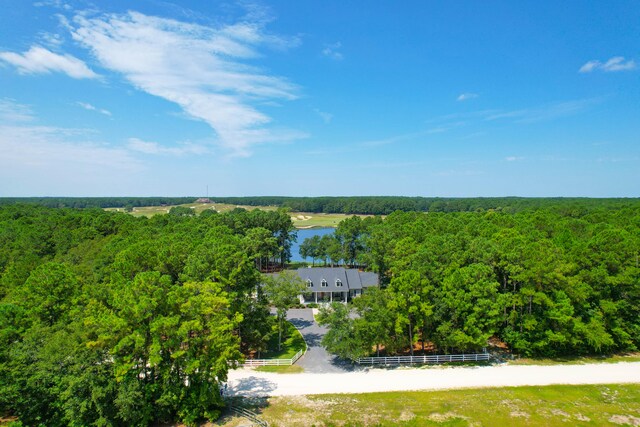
column 338, row 283
column 323, row 283
column 309, row 283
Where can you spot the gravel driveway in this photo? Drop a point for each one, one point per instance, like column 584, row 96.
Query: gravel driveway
column 317, row 360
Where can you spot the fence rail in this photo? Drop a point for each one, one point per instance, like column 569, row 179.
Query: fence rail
column 273, row 362
column 437, row 358
column 246, row 413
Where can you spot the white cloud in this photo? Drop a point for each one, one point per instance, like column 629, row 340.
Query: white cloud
column 333, row 51
column 148, row 147
column 513, row 158
column 53, row 148
column 201, row 69
column 90, row 107
column 466, row 96
column 39, row 60
column 12, row 112
column 326, row 117
column 617, row 63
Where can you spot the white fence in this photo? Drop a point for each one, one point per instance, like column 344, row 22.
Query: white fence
column 252, row 416
column 437, row 358
column 273, row 362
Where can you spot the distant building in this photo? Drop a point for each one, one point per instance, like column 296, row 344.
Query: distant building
column 328, row 284
column 204, row 200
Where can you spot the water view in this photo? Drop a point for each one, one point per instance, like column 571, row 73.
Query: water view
column 305, row 234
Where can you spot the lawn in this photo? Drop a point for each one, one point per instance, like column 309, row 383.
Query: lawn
column 300, row 219
column 285, row 369
column 518, row 406
column 291, row 344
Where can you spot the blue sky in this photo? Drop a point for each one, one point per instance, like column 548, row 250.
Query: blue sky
column 302, row 98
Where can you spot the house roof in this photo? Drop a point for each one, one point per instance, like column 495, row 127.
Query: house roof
column 354, row 279
column 350, row 279
column 368, row 279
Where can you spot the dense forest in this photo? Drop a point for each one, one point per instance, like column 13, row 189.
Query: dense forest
column 365, row 205
column 543, row 282
column 107, row 319
column 384, row 205
column 96, row 202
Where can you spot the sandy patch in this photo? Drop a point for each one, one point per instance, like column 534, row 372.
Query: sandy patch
column 441, row 418
column 628, row 420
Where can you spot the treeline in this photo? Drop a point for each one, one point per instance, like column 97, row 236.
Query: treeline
column 108, row 319
column 364, row 205
column 543, row 282
column 384, row 205
column 96, row 202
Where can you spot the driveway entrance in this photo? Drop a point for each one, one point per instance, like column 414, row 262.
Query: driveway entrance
column 317, row 359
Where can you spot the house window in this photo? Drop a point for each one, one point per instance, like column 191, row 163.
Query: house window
column 338, row 283
column 323, row 283
column 309, row 283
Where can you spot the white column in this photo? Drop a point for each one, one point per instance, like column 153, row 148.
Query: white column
column 330, row 296
column 316, row 295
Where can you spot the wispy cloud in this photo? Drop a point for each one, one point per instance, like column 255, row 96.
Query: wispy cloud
column 27, row 147
column 513, row 158
column 617, row 63
column 326, row 117
column 202, row 69
column 333, row 51
column 90, row 107
column 39, row 60
column 547, row 112
column 466, row 96
column 58, row 148
column 407, row 136
column 13, row 112
column 150, row 147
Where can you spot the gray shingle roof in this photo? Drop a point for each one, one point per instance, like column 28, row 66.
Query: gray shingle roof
column 354, row 279
column 350, row 279
column 368, row 279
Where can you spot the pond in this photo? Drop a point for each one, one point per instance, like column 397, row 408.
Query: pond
column 305, row 234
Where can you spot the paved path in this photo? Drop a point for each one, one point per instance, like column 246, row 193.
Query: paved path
column 246, row 382
column 317, row 360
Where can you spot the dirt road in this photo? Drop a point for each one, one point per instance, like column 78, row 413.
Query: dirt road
column 246, row 382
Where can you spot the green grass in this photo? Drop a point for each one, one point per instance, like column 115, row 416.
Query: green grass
column 291, row 344
column 564, row 405
column 287, row 369
column 300, row 219
column 577, row 360
column 150, row 211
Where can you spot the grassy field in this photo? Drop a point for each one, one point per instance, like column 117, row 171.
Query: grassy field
column 596, row 405
column 578, row 360
column 300, row 219
column 285, row 369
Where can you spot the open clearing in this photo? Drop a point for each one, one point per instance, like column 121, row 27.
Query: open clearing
column 557, row 405
column 503, row 395
column 300, row 219
column 246, row 382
